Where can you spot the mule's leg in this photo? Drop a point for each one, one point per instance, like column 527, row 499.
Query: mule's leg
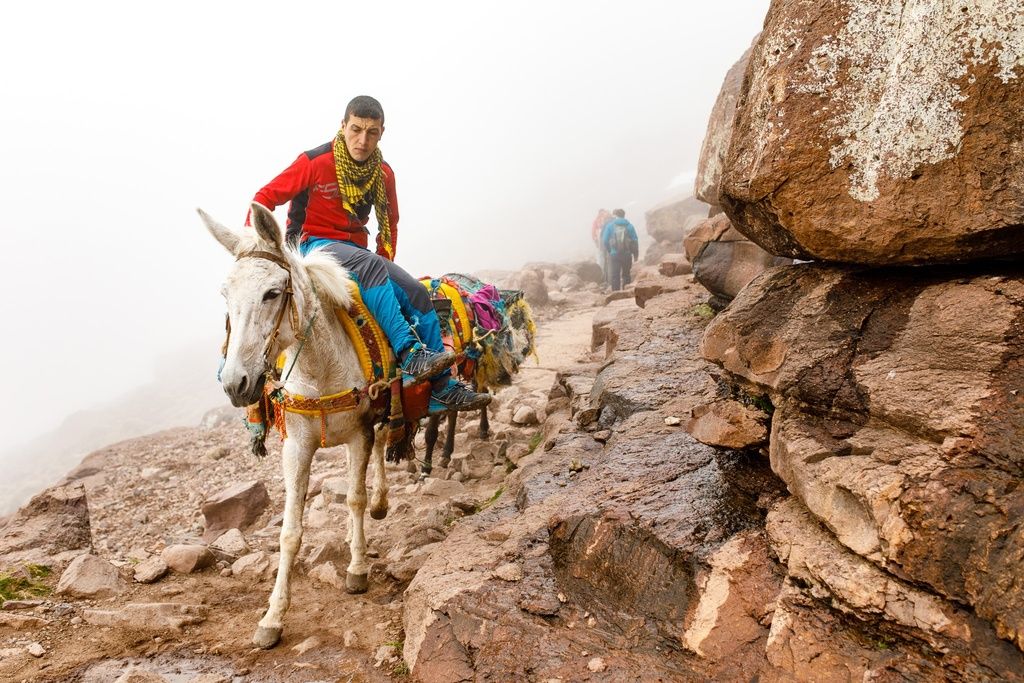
column 485, row 424
column 449, row 439
column 379, row 500
column 430, row 436
column 295, row 460
column 358, row 455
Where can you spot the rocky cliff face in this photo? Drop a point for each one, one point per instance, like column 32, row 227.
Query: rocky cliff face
column 883, row 134
column 897, row 421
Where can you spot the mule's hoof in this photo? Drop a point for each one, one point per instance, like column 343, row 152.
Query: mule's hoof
column 266, row 638
column 378, row 513
column 444, row 463
column 356, row 583
column 484, row 435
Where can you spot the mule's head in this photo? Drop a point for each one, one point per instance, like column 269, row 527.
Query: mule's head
column 262, row 301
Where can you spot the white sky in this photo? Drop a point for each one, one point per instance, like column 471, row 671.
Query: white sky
column 508, row 126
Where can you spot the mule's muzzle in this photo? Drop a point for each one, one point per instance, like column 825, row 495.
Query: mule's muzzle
column 246, row 390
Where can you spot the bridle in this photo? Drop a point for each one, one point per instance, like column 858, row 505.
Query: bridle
column 276, row 400
column 287, row 304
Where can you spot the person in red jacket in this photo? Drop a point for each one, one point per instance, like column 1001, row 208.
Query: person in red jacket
column 332, row 189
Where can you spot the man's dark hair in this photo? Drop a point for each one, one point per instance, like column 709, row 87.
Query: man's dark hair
column 619, row 212
column 365, row 107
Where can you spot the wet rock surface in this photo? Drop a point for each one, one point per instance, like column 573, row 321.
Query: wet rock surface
column 609, row 548
column 725, row 261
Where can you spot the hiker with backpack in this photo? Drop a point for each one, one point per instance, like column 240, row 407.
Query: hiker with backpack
column 621, row 246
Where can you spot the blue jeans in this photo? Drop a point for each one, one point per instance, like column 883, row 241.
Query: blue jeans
column 618, row 270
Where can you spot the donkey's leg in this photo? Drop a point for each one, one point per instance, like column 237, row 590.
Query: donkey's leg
column 430, row 436
column 358, row 456
column 295, row 460
column 449, row 439
column 379, row 500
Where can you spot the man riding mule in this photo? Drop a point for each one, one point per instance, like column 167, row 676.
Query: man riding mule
column 332, row 190
column 282, row 303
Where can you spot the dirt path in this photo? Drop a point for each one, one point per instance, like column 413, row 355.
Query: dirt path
column 146, row 494
column 560, row 343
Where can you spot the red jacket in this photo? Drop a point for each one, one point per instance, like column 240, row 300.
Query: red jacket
column 311, row 185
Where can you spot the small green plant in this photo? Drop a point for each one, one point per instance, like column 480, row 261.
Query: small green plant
column 15, row 587
column 534, row 442
column 400, row 668
column 490, row 501
column 703, row 311
column 38, row 571
column 764, row 403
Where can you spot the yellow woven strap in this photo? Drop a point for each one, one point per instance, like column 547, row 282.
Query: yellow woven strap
column 321, row 407
column 367, row 337
column 334, row 403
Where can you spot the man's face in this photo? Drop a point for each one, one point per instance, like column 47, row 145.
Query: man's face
column 362, row 136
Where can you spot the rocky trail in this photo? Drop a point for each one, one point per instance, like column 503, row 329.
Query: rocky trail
column 637, row 521
column 133, row 501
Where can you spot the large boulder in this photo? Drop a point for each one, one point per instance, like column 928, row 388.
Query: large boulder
column 91, row 577
column 671, row 220
column 589, row 271
column 882, row 132
column 899, row 414
column 236, row 507
column 706, row 231
column 724, row 261
column 51, row 529
column 719, row 134
column 531, row 282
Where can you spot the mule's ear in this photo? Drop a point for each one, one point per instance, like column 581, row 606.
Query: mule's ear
column 221, row 233
column 266, row 225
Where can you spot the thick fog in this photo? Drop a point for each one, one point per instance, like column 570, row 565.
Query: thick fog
column 508, row 127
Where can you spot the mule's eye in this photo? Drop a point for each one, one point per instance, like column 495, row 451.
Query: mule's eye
column 271, row 294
